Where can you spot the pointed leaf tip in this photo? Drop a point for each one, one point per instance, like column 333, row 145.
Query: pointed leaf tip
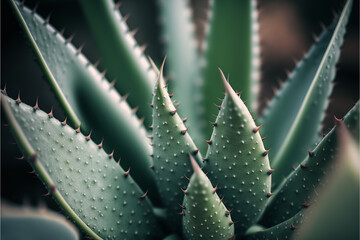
column 194, row 165
column 153, row 65
column 227, row 86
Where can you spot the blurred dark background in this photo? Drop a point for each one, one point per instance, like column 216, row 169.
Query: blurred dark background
column 287, row 28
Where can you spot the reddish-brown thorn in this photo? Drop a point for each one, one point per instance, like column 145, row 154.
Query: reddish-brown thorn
column 69, row 39
column 270, row 171
column 181, row 206
column 256, row 129
column 20, row 158
column 310, row 153
column 215, row 188
column 118, row 161
column 186, row 177
column 78, row 51
column 233, row 222
column 269, row 195
column 304, row 204
column 338, row 120
column 293, row 168
column 151, row 105
column 150, row 127
column 46, row 194
column 214, row 115
column 50, row 114
column 303, row 166
column 228, row 212
column 127, row 172
column 125, row 97
column 36, row 106
column 151, row 167
column 208, row 141
column 263, row 138
column 245, row 101
column 219, row 107
column 135, row 109
column 18, row 100
column 171, row 95
column 172, row 113
column 239, row 93
column 220, row 99
column 195, row 151
column 3, row 91
column 88, row 137
column 150, row 137
column 117, row 6
column 144, row 195
column 141, row 120
column 232, row 238
column 101, row 143
column 112, row 83
column 183, row 132
column 292, row 227
column 266, row 152
column 78, row 129
column 184, row 191
column 185, row 119
column 182, row 212
column 221, row 199
column 255, row 118
column 214, row 124
column 111, row 154
column 32, row 172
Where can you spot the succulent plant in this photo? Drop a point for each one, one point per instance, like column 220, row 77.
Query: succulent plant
column 162, row 182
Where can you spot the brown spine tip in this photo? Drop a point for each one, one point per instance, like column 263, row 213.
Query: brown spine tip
column 184, row 191
column 127, row 172
column 292, row 227
column 171, row 95
column 77, row 130
column 208, row 141
column 245, row 101
column 117, row 6
column 215, row 188
column 20, row 158
column 239, row 93
column 18, row 100
column 181, row 206
column 220, row 99
column 263, row 138
column 228, row 212
column 219, row 107
column 3, row 91
column 150, row 127
column 69, row 39
column 172, row 113
column 144, row 195
column 151, row 167
column 112, row 83
column 270, row 171
column 135, row 109
column 125, row 97
column 151, row 105
column 311, row 154
column 100, row 145
column 338, row 120
column 255, row 118
column 183, row 132
column 88, row 137
column 214, row 124
column 79, row 50
column 182, row 213
column 304, row 204
column 186, row 177
column 64, row 122
column 256, row 129
column 195, row 151
column 266, row 152
column 36, row 106
column 51, row 114
column 303, row 165
column 184, row 119
column 111, row 154
column 269, row 195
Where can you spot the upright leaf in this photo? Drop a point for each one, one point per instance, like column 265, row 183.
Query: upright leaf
column 87, row 97
column 232, row 44
column 87, row 183
column 123, row 58
column 292, row 122
column 183, row 67
column 238, row 162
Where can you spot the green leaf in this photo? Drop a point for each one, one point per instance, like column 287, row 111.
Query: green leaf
column 336, row 213
column 204, row 214
column 29, row 223
column 87, row 97
column 238, row 162
column 87, row 183
column 123, row 58
column 292, row 122
column 172, row 145
column 233, row 45
column 297, row 192
column 183, row 67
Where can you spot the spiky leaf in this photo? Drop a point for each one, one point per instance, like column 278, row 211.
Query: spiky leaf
column 123, row 58
column 183, row 68
column 233, row 45
column 292, row 122
column 297, row 192
column 237, row 161
column 87, row 97
column 88, row 184
column 204, row 214
column 172, row 145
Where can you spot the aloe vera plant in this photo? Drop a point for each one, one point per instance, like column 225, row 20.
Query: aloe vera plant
column 161, row 182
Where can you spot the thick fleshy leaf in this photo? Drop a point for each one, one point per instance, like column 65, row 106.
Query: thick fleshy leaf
column 204, row 214
column 87, row 183
column 233, row 45
column 123, row 57
column 183, row 62
column 297, row 192
column 172, row 145
column 336, row 214
column 237, row 161
column 292, row 121
column 87, row 97
column 29, row 223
